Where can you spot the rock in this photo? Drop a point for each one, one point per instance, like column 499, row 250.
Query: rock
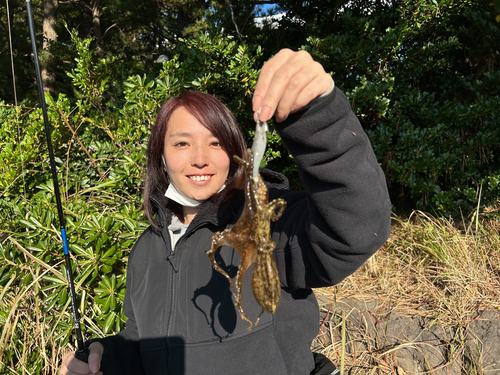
column 482, row 341
column 397, row 343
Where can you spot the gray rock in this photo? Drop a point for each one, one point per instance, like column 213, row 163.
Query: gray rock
column 401, row 344
column 482, row 343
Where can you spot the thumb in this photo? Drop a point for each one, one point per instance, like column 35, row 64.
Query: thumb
column 95, row 355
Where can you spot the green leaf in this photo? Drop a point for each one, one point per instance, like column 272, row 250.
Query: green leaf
column 110, row 320
column 53, row 279
column 129, row 225
column 79, row 250
column 112, row 304
column 107, row 304
column 27, row 223
column 107, row 268
column 35, row 248
column 106, row 282
column 36, row 222
column 63, row 296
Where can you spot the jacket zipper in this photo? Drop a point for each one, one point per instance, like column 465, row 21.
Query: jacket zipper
column 171, row 260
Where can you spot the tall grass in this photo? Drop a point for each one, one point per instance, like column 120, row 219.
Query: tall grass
column 438, row 268
column 31, row 341
column 443, row 270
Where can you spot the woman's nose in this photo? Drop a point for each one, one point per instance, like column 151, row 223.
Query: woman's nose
column 200, row 157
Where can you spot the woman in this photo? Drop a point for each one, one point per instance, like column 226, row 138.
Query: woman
column 181, row 318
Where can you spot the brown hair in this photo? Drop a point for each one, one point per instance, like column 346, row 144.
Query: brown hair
column 214, row 116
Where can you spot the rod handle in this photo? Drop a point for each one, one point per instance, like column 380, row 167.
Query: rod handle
column 83, row 355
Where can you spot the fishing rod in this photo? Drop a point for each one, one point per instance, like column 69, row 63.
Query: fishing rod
column 81, row 352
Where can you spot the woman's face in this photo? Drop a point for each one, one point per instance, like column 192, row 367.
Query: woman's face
column 196, row 163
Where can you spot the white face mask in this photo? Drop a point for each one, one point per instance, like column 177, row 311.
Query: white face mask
column 174, row 194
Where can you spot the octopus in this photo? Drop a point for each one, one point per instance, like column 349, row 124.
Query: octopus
column 251, row 235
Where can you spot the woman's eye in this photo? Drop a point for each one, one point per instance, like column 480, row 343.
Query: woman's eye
column 181, row 144
column 216, row 143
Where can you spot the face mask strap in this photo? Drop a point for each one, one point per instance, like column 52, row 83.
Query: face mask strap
column 166, row 170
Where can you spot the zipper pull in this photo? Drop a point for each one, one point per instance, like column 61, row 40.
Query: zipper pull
column 170, row 259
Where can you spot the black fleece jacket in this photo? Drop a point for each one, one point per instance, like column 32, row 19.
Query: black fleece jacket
column 181, row 316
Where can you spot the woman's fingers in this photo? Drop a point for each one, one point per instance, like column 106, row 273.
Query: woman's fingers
column 273, row 80
column 288, row 82
column 266, row 75
column 73, row 366
column 301, row 89
column 95, row 356
column 318, row 85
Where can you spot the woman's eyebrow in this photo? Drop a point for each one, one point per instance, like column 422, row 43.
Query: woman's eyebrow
column 180, row 134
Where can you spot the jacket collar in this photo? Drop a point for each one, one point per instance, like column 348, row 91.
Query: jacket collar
column 213, row 211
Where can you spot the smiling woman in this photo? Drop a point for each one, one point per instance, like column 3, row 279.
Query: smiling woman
column 194, row 160
column 181, row 312
column 191, row 145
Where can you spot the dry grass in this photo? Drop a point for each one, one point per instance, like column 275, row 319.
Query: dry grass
column 442, row 270
column 24, row 331
column 434, row 268
column 33, row 341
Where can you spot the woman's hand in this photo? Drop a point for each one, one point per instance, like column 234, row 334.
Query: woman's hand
column 73, row 366
column 287, row 83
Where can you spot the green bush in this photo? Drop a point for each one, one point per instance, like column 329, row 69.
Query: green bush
column 422, row 78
